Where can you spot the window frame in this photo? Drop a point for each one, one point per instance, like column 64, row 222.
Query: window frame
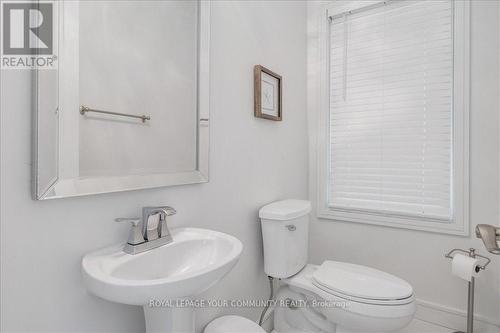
column 459, row 224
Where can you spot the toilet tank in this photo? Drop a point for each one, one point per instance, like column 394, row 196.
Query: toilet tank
column 285, row 232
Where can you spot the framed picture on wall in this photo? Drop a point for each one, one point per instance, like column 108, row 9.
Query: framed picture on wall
column 267, row 94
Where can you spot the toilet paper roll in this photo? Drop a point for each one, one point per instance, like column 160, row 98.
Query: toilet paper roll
column 464, row 266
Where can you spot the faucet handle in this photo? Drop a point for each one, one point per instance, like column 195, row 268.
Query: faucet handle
column 170, row 211
column 167, row 210
column 490, row 236
column 135, row 237
column 134, row 220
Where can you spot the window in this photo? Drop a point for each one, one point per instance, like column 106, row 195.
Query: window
column 396, row 117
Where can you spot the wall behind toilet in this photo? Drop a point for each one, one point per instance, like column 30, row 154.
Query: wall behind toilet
column 418, row 256
column 253, row 162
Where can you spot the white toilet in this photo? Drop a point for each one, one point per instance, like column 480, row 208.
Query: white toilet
column 334, row 297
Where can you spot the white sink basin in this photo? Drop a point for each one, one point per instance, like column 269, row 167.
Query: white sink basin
column 192, row 263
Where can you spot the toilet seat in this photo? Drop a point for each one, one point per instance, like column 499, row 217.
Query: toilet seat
column 232, row 324
column 364, row 300
column 303, row 282
column 361, row 284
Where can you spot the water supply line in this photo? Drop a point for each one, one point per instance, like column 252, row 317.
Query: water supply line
column 271, row 297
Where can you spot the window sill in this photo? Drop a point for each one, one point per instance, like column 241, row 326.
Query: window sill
column 411, row 223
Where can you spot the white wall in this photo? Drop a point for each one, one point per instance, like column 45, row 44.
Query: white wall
column 253, row 162
column 418, row 256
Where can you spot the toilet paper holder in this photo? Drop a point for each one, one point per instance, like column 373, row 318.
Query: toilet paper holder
column 471, row 253
column 470, row 299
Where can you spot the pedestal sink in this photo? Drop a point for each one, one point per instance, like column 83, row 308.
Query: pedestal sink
column 162, row 277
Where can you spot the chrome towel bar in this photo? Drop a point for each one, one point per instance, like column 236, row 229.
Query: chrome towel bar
column 84, row 109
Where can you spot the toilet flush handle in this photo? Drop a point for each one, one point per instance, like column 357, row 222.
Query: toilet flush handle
column 291, row 227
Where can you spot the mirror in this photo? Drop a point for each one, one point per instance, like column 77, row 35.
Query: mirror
column 128, row 106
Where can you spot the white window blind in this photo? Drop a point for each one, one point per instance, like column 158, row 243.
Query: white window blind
column 391, row 110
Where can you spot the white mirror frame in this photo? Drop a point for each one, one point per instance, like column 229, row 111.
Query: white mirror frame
column 60, row 187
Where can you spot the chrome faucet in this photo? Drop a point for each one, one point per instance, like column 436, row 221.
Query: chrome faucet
column 148, row 232
column 490, row 236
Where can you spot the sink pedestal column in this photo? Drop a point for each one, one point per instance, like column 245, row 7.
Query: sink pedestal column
column 169, row 319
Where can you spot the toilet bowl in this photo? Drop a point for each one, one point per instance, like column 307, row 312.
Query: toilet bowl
column 334, row 297
column 370, row 301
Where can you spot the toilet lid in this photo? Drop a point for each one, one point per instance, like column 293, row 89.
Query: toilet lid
column 232, row 324
column 361, row 282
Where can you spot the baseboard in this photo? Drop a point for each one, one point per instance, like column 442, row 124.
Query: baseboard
column 453, row 318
